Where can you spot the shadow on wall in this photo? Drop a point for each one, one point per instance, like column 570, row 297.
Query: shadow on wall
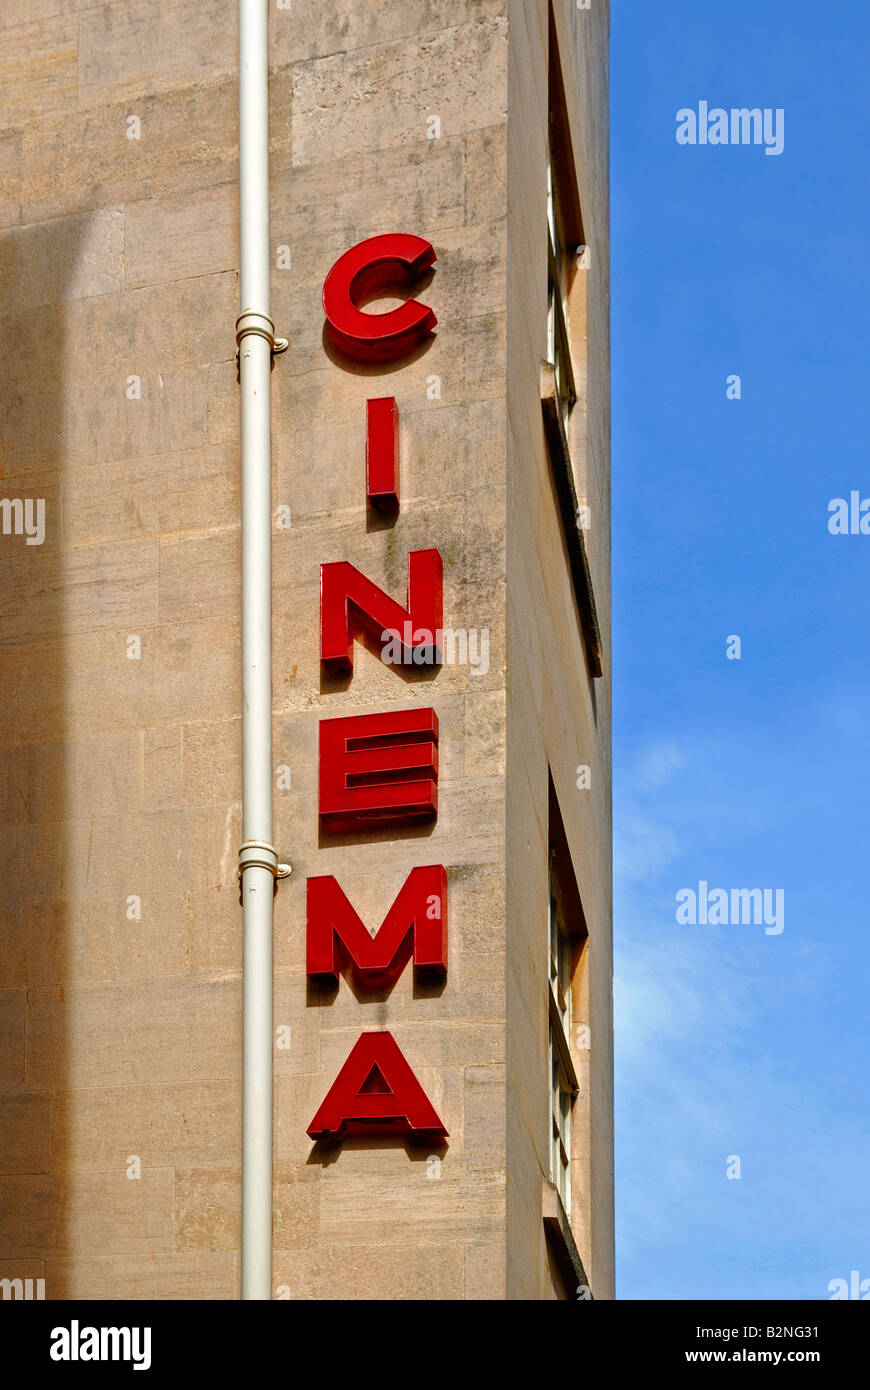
column 38, row 269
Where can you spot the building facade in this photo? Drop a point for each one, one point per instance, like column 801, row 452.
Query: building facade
column 480, row 127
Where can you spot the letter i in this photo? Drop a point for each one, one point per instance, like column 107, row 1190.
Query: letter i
column 382, row 453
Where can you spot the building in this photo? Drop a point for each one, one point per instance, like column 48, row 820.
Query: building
column 474, row 125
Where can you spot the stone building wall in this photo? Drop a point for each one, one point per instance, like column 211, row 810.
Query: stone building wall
column 120, row 925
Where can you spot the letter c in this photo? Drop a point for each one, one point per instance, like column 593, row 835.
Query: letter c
column 379, row 263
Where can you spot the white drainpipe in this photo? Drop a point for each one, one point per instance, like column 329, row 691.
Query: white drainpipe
column 258, row 860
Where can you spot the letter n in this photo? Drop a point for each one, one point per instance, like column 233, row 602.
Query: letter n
column 336, row 936
column 349, row 601
column 376, row 1092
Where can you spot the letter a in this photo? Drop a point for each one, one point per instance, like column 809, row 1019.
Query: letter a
column 375, row 1092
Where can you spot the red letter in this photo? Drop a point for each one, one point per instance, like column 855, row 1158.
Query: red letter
column 412, row 632
column 381, row 767
column 418, row 918
column 375, row 1093
column 380, row 264
column 382, row 453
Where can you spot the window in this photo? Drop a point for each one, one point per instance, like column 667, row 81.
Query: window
column 564, row 371
column 567, row 989
column 563, row 1080
column 558, row 259
column 567, row 255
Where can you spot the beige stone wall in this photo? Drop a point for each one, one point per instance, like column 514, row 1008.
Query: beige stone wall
column 558, row 716
column 120, row 778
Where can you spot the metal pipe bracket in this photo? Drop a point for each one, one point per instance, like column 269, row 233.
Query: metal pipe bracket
column 259, row 854
column 250, row 321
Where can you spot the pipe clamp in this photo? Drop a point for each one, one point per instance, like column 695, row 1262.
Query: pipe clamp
column 259, row 854
column 249, row 321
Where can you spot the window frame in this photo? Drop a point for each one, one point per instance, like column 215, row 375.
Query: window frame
column 558, row 254
column 565, row 1063
column 564, row 1086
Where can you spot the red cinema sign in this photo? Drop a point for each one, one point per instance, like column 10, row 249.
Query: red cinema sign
column 376, row 1093
column 382, row 453
column 378, row 769
column 415, row 924
column 377, row 266
column 349, row 601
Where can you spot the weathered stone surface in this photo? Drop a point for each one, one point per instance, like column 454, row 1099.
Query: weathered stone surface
column 69, row 258
column 389, row 1273
column 17, row 12
column 485, row 1273
column 320, row 210
column 52, row 943
column 382, row 96
column 10, row 177
column 38, row 70
column 190, row 1124
column 187, row 140
column 164, row 327
column 88, row 1213
column 452, row 1201
column 150, row 1277
column 170, row 413
column 129, row 53
column 314, row 31
column 12, row 1036
column 25, row 1133
column 208, row 1207
column 102, row 586
column 182, row 235
column 136, row 1032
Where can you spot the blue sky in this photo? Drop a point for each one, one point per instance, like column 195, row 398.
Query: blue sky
column 749, row 773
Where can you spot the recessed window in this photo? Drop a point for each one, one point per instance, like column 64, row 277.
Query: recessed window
column 559, row 267
column 563, row 1080
column 567, row 254
column 566, row 984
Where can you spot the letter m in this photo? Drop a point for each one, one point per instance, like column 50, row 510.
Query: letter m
column 12, row 1288
column 349, row 601
column 416, row 923
column 746, row 907
column 741, row 119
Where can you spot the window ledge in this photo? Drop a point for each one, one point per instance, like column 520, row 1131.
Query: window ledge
column 558, row 1232
column 563, row 477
